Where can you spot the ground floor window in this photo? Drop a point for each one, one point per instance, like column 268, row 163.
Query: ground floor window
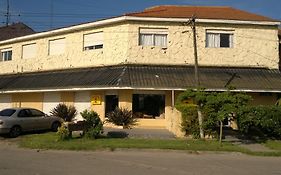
column 149, row 105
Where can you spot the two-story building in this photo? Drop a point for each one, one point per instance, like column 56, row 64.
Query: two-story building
column 142, row 61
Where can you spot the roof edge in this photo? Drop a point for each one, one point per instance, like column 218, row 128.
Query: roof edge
column 129, row 18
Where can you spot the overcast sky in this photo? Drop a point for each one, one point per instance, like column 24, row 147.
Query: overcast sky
column 43, row 15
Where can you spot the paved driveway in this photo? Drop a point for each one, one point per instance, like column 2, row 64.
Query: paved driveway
column 15, row 161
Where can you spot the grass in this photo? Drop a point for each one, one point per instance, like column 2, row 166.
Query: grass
column 49, row 141
column 273, row 144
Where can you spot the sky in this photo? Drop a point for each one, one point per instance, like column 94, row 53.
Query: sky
column 43, row 15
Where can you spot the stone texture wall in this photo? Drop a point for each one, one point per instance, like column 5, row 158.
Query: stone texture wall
column 253, row 46
column 113, row 52
column 173, row 121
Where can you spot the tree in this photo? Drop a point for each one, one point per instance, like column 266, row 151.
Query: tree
column 216, row 106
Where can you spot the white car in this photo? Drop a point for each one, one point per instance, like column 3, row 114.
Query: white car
column 14, row 121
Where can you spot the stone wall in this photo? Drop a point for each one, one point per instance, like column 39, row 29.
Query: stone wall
column 254, row 45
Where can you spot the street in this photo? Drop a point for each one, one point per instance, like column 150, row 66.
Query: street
column 18, row 161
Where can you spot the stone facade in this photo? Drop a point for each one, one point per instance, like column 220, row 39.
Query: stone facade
column 254, row 46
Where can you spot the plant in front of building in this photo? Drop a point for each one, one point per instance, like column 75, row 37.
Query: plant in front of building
column 261, row 121
column 63, row 133
column 216, row 107
column 189, row 124
column 122, row 117
column 67, row 113
column 93, row 124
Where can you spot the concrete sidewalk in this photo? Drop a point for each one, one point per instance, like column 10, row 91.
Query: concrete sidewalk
column 138, row 133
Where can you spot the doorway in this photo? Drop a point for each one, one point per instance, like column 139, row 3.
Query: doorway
column 111, row 102
column 149, row 105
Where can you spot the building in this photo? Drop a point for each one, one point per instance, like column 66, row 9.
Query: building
column 142, row 61
column 15, row 30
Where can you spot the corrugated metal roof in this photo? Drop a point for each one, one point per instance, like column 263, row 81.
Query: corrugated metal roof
column 144, row 76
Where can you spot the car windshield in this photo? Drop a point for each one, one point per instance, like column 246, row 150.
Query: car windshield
column 7, row 112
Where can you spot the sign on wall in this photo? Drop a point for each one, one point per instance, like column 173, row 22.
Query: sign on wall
column 96, row 100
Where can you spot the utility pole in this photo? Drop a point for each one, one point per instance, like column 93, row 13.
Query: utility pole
column 196, row 74
column 193, row 26
column 8, row 13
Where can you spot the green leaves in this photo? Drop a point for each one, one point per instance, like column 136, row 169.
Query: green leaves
column 260, row 120
column 216, row 107
column 67, row 113
column 122, row 117
column 94, row 125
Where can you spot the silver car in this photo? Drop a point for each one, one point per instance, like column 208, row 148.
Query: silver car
column 14, row 121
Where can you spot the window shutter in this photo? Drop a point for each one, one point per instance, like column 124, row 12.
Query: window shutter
column 57, row 46
column 93, row 39
column 29, row 51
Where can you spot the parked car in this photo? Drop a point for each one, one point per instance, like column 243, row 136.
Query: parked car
column 14, row 121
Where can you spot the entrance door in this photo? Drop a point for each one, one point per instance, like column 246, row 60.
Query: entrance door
column 111, row 102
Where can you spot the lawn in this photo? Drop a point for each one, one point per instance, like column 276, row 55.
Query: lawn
column 273, row 144
column 49, row 141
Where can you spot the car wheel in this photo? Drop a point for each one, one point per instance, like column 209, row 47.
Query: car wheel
column 15, row 131
column 55, row 126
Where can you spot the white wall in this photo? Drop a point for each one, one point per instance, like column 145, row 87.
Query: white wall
column 5, row 101
column 82, row 102
column 51, row 100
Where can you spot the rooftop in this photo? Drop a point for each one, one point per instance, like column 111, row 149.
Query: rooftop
column 201, row 12
column 150, row 77
column 15, row 30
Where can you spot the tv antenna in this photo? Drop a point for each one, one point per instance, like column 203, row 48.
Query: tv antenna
column 8, row 13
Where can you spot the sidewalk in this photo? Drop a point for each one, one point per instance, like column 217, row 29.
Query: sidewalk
column 252, row 145
column 138, row 133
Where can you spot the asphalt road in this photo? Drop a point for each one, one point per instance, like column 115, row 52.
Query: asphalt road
column 15, row 161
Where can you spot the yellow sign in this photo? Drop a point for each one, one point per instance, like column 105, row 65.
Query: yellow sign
column 96, row 100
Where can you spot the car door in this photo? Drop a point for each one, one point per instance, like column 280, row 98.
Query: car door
column 41, row 121
column 25, row 120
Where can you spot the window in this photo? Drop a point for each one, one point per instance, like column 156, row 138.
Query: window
column 56, row 46
column 153, row 37
column 36, row 113
column 29, row 51
column 7, row 112
column 6, row 55
column 219, row 39
column 93, row 41
column 24, row 113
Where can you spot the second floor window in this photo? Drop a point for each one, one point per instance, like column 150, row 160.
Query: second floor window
column 56, row 46
column 219, row 39
column 6, row 55
column 153, row 37
column 29, row 51
column 93, row 41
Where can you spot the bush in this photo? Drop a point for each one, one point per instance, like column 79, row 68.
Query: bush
column 262, row 120
column 67, row 113
column 122, row 117
column 63, row 133
column 94, row 125
column 189, row 124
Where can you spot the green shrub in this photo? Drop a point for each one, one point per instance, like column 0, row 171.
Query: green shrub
column 122, row 117
column 189, row 124
column 63, row 133
column 67, row 113
column 94, row 125
column 260, row 120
